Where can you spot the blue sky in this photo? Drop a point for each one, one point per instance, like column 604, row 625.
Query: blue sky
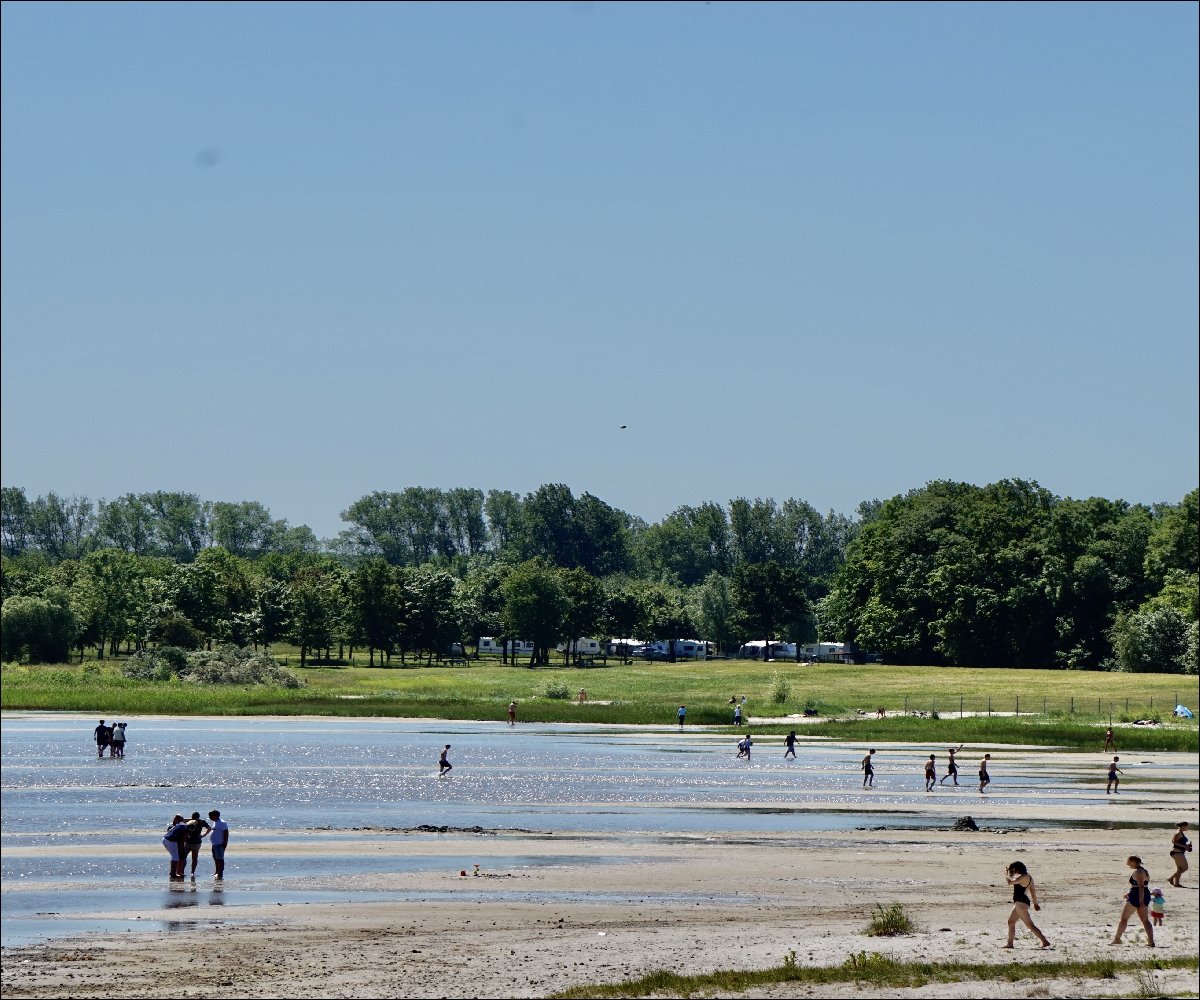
column 297, row 253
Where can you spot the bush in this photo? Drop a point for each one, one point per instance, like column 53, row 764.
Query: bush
column 156, row 664
column 557, row 689
column 230, row 665
column 890, row 922
column 781, row 690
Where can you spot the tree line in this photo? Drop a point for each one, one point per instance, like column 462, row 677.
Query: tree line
column 1005, row 574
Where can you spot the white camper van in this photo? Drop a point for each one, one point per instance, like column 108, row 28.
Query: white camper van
column 583, row 647
column 685, row 649
column 488, row 644
column 754, row 650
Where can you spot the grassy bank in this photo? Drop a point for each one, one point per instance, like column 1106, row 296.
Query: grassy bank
column 870, row 970
column 651, row 693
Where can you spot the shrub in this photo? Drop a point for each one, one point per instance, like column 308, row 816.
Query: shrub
column 557, row 688
column 781, row 690
column 156, row 664
column 890, row 922
column 230, row 665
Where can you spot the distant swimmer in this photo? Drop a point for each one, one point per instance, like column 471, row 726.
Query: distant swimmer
column 931, row 773
column 868, row 769
column 790, row 743
column 444, row 765
column 985, row 779
column 952, row 765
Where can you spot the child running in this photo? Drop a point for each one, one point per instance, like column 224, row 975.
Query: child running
column 952, row 765
column 1114, row 782
column 931, row 773
column 444, row 766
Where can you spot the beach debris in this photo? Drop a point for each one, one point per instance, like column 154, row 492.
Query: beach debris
column 965, row 823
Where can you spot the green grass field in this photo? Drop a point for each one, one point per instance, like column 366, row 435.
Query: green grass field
column 1060, row 707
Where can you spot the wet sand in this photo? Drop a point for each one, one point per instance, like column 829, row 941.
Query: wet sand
column 688, row 903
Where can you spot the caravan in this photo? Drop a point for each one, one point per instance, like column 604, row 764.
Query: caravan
column 756, row 649
column 685, row 649
column 582, row 647
column 494, row 647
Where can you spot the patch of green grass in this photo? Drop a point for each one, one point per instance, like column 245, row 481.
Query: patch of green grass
column 866, row 969
column 890, row 922
column 644, row 693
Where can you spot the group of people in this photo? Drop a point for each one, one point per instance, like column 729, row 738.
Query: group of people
column 1140, row 900
column 184, row 838
column 867, row 766
column 110, row 738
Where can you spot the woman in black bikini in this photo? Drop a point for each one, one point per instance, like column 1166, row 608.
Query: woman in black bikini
column 1024, row 893
column 1136, row 901
column 1180, row 848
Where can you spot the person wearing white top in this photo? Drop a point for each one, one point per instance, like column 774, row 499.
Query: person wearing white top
column 218, row 838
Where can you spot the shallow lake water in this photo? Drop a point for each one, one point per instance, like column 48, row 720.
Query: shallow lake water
column 81, row 836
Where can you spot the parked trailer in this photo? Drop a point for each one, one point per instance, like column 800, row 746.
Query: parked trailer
column 582, row 647
column 489, row 644
column 754, row 650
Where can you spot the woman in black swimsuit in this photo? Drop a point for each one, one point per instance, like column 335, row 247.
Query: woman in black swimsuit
column 1180, row 848
column 1024, row 893
column 1136, row 901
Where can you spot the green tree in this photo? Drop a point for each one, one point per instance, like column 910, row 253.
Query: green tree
column 535, row 607
column 375, row 605
column 586, row 607
column 769, row 601
column 42, row 629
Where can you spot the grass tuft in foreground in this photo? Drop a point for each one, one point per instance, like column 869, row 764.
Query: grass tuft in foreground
column 870, row 969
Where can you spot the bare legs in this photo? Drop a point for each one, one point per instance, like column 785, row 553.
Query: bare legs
column 1020, row 915
column 1143, row 916
column 1181, row 865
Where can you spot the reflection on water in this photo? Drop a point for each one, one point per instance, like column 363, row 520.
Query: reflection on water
column 282, row 779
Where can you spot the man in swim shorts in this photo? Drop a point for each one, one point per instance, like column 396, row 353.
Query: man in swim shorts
column 952, row 765
column 868, row 769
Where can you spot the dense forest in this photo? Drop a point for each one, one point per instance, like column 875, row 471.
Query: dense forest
column 1005, row 574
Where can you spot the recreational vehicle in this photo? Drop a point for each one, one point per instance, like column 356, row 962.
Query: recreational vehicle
column 754, row 650
column 488, row 644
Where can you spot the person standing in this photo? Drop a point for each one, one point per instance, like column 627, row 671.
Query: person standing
column 444, row 765
column 1137, row 900
column 1114, row 782
column 868, row 769
column 218, row 840
column 1180, row 849
column 1024, row 893
column 196, row 829
column 985, row 779
column 103, row 736
column 1109, row 742
column 118, row 741
column 737, row 715
column 173, row 842
column 952, row 765
column 682, row 713
column 931, row 773
column 512, row 713
column 790, row 743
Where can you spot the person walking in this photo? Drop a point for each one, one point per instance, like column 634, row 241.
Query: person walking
column 985, row 779
column 868, row 769
column 1109, row 742
column 1114, row 782
column 444, row 765
column 512, row 713
column 737, row 714
column 790, row 744
column 102, row 735
column 952, row 765
column 118, row 741
column 1137, row 900
column 931, row 773
column 1024, row 895
column 218, row 840
column 1180, row 848
column 682, row 713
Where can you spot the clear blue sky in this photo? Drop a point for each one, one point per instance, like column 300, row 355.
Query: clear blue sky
column 297, row 253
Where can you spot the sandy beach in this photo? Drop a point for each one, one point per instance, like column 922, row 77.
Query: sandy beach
column 682, row 902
